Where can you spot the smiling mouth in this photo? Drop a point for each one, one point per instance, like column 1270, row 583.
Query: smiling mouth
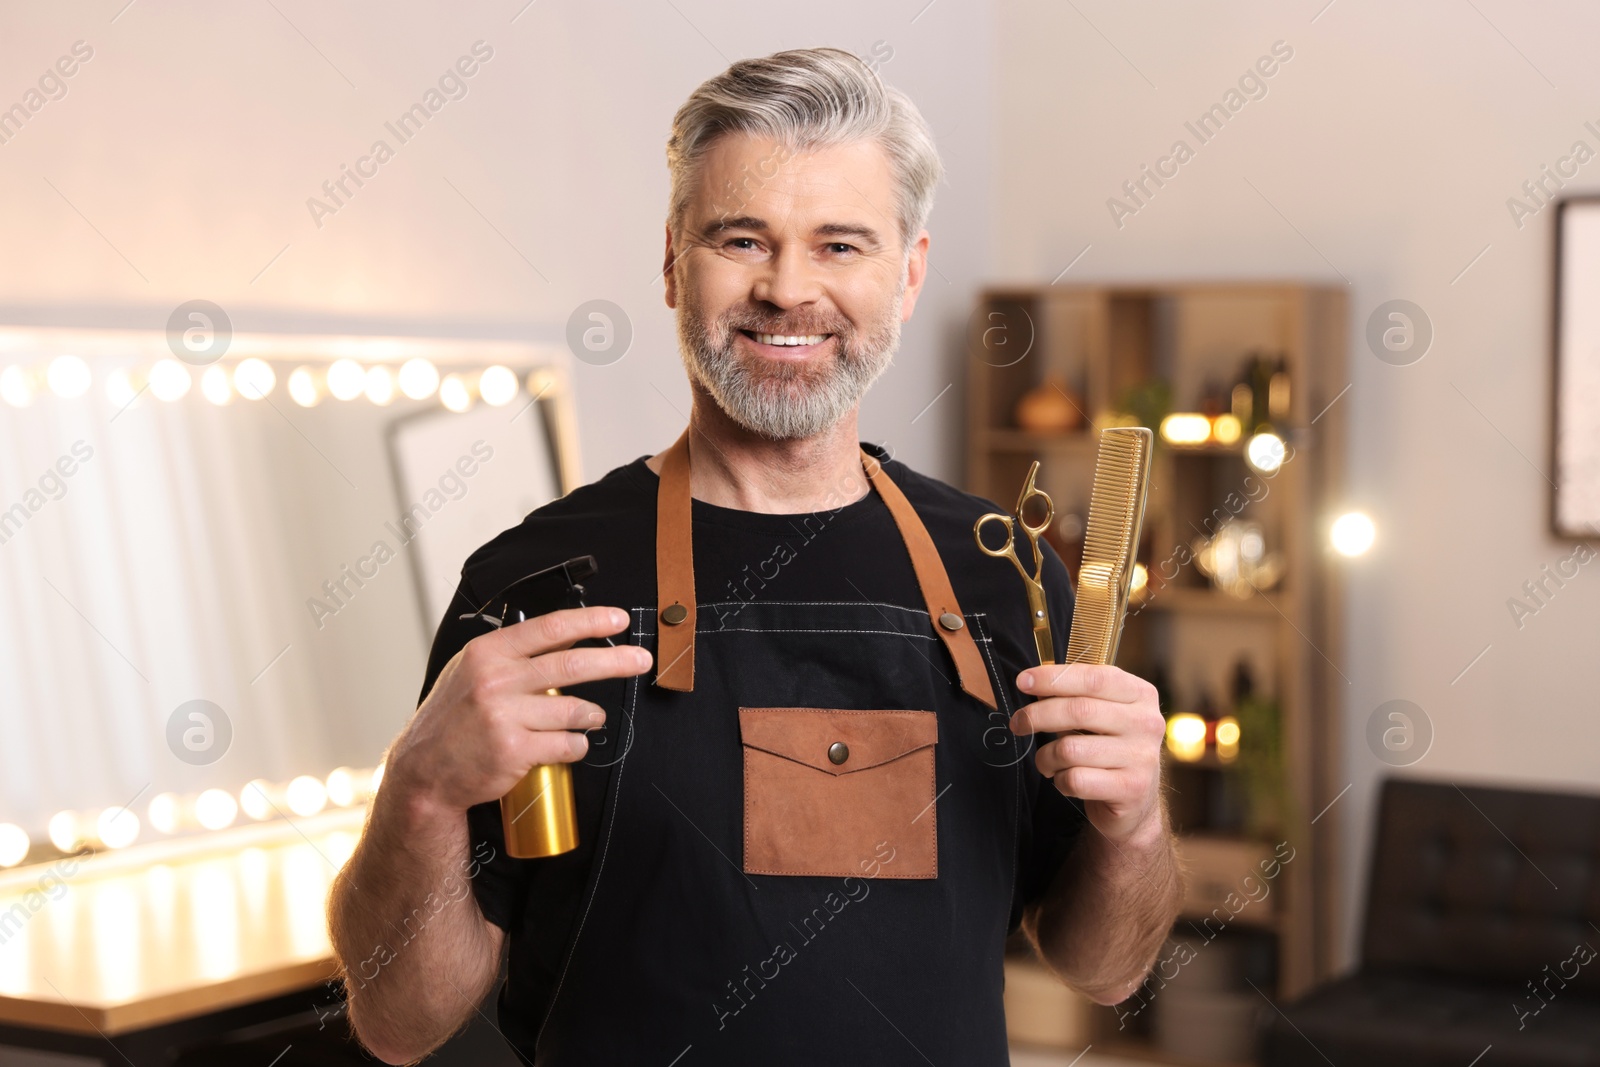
column 784, row 340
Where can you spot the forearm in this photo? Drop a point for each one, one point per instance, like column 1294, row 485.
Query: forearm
column 1108, row 911
column 417, row 955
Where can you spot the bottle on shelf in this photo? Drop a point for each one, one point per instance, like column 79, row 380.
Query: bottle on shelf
column 1278, row 392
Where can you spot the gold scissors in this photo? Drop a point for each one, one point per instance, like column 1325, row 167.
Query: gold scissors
column 1036, row 607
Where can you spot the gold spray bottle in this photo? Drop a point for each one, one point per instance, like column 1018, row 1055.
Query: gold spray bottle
column 540, row 815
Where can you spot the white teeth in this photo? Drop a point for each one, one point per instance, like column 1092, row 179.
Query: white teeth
column 783, row 339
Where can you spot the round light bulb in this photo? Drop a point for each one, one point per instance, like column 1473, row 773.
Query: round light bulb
column 1353, row 533
column 256, row 799
column 306, row 795
column 379, row 386
column 214, row 385
column 215, row 809
column 498, row 386
column 305, row 387
column 164, row 812
column 342, row 787
column 16, row 386
column 419, row 379
column 117, row 827
column 454, row 393
column 346, row 379
column 64, row 831
column 14, row 844
column 1227, row 739
column 68, row 376
column 254, row 378
column 1226, row 429
column 1185, row 428
column 1186, row 736
column 169, row 380
column 1265, row 452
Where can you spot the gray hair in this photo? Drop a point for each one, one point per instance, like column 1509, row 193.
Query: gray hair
column 807, row 98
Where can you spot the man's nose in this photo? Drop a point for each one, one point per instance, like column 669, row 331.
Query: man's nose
column 788, row 279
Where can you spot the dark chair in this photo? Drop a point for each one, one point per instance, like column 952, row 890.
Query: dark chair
column 1482, row 930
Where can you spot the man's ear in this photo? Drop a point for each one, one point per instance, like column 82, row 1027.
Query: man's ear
column 666, row 271
column 916, row 274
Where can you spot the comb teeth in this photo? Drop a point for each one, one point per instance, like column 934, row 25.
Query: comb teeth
column 1116, row 512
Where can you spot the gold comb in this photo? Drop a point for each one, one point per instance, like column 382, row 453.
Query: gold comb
column 1116, row 512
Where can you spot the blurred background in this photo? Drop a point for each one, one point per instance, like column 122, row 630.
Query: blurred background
column 1354, row 254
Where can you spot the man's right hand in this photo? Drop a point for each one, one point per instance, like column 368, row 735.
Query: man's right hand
column 488, row 719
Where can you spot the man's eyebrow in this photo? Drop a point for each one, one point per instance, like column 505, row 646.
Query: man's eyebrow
column 849, row 229
column 863, row 233
column 738, row 222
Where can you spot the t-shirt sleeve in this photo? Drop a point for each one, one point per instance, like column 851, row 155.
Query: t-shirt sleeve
column 1057, row 820
column 499, row 883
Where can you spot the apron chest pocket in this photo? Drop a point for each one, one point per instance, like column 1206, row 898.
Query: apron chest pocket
column 837, row 792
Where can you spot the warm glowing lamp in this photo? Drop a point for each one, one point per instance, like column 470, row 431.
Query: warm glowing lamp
column 1265, row 452
column 1353, row 533
column 419, row 378
column 1185, row 428
column 215, row 809
column 254, row 378
column 68, row 377
column 498, row 386
column 1186, row 736
column 346, row 379
column 1227, row 735
column 14, row 844
column 215, row 386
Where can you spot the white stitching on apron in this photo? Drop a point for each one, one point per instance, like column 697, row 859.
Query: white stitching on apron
column 599, row 870
column 811, row 603
column 771, row 630
column 983, row 637
column 1016, row 811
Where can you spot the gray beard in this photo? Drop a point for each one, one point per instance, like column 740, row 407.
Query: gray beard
column 783, row 401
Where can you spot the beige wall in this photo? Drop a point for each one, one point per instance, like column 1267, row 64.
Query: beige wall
column 197, row 132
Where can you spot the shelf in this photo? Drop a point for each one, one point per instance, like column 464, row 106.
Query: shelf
column 1106, row 340
column 1210, row 448
column 1217, row 866
column 1208, row 762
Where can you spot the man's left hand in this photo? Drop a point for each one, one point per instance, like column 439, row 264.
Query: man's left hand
column 1114, row 764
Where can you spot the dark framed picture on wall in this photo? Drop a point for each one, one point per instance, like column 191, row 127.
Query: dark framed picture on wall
column 1575, row 446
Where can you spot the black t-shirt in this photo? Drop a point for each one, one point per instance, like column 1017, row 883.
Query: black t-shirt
column 853, row 552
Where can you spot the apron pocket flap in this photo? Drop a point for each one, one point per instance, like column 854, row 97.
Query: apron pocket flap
column 833, row 791
column 808, row 735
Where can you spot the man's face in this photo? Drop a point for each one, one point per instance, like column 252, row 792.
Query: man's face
column 778, row 245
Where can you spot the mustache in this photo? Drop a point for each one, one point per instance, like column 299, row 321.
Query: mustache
column 801, row 329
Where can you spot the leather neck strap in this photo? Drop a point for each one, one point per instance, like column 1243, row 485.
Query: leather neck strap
column 675, row 577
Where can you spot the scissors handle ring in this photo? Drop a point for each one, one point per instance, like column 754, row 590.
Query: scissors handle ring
column 1009, row 549
column 1036, row 529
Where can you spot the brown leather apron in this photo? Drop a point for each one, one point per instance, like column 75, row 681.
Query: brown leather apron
column 809, row 844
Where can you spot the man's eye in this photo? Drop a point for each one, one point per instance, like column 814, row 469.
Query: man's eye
column 747, row 243
column 841, row 248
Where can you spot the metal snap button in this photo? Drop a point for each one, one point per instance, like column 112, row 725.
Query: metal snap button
column 838, row 752
column 951, row 621
column 673, row 614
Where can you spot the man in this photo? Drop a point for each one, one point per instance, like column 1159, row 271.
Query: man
column 811, row 807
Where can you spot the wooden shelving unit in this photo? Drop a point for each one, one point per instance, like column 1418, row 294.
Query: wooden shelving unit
column 1102, row 342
